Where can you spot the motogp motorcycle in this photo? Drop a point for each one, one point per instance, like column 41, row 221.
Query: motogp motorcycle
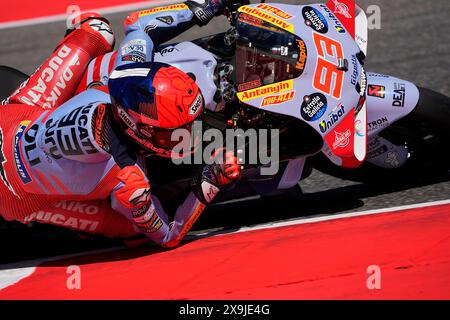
column 300, row 69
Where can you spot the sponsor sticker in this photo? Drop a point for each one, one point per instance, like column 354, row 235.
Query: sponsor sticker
column 376, row 91
column 134, row 58
column 147, row 12
column 342, row 139
column 196, row 106
column 166, row 19
column 266, row 90
column 276, row 11
column 78, row 206
column 280, row 23
column 337, row 23
column 134, row 50
column 3, row 160
column 355, row 72
column 314, row 19
column 399, row 95
column 313, row 107
column 342, row 9
column 378, row 124
column 126, row 118
column 20, row 166
column 278, row 99
column 135, row 45
column 100, row 26
column 302, row 56
column 249, row 85
column 167, row 50
column 63, row 220
column 48, row 87
column 333, row 118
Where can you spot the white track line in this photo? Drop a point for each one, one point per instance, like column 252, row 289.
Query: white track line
column 13, row 273
column 327, row 218
column 107, row 10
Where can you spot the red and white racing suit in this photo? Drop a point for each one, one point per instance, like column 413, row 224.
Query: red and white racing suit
column 62, row 163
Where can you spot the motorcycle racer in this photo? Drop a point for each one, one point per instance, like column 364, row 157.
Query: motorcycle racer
column 89, row 147
column 145, row 30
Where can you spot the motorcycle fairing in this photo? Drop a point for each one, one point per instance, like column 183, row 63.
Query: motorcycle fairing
column 361, row 29
column 322, row 91
column 388, row 100
column 191, row 58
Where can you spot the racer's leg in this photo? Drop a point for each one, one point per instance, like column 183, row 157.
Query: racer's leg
column 97, row 72
column 56, row 80
column 94, row 217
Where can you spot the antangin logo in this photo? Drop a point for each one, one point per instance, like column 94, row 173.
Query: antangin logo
column 278, row 12
column 266, row 90
column 3, row 160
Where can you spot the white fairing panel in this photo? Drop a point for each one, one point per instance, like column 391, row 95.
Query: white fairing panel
column 194, row 59
column 388, row 100
column 361, row 34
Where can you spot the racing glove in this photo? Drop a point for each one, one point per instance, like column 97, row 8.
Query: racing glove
column 205, row 10
column 215, row 177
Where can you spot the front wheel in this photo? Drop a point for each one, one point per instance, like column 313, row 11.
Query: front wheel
column 425, row 133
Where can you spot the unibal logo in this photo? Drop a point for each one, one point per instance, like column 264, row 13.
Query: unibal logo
column 334, row 117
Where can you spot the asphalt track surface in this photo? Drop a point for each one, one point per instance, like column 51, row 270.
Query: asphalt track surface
column 413, row 44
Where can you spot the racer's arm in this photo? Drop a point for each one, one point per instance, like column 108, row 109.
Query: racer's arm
column 132, row 196
column 147, row 29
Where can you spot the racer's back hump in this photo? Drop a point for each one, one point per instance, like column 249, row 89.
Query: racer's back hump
column 53, row 154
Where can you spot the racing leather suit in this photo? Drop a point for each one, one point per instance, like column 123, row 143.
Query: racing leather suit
column 69, row 151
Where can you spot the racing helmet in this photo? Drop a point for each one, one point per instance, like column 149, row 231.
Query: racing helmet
column 150, row 101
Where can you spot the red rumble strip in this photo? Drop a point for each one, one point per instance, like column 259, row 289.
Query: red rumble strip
column 403, row 254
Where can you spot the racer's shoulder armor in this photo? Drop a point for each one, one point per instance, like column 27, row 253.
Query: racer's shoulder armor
column 69, row 131
column 59, row 150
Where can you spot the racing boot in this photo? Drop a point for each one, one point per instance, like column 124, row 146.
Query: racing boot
column 56, row 80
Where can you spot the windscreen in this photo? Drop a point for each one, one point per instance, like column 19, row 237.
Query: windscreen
column 266, row 54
